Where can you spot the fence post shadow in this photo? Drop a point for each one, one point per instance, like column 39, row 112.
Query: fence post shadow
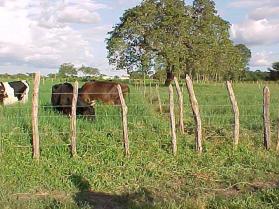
column 141, row 199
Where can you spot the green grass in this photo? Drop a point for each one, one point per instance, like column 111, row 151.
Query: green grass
column 152, row 177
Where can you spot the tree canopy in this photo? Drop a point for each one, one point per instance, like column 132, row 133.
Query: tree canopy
column 89, row 71
column 67, row 69
column 170, row 35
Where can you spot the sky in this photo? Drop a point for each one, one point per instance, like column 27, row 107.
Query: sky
column 41, row 35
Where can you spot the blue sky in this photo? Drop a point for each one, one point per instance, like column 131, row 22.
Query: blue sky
column 40, row 35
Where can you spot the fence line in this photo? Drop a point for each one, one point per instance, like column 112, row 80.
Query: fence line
column 199, row 117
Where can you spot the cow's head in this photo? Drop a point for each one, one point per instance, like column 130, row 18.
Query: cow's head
column 3, row 93
column 85, row 109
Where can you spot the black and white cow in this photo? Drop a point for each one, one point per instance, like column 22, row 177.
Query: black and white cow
column 13, row 92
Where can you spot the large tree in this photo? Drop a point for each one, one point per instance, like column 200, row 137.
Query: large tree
column 176, row 37
column 154, row 31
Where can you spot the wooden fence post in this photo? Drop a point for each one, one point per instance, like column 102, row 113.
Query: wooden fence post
column 235, row 111
column 196, row 112
column 124, row 120
column 181, row 109
column 159, row 99
column 74, row 121
column 172, row 120
column 266, row 117
column 35, row 122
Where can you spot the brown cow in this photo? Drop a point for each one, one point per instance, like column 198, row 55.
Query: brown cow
column 61, row 99
column 102, row 91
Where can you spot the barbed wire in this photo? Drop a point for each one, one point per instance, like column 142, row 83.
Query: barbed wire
column 208, row 117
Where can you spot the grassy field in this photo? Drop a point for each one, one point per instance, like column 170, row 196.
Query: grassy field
column 101, row 177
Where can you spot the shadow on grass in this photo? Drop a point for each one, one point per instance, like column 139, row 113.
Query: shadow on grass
column 98, row 200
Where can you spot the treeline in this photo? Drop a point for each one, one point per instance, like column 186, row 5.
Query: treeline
column 247, row 76
column 177, row 38
column 66, row 71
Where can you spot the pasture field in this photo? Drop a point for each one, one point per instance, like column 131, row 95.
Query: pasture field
column 151, row 178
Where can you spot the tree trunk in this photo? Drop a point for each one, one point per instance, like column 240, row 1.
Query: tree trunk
column 170, row 75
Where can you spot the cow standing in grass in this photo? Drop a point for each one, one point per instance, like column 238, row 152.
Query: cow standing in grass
column 102, row 91
column 13, row 92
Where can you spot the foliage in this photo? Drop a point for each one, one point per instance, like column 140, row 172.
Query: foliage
column 275, row 66
column 178, row 38
column 274, row 72
column 89, row 71
column 256, row 75
column 67, row 69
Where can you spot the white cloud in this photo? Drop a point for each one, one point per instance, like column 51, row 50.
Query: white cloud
column 72, row 14
column 122, row 2
column 39, row 34
column 265, row 12
column 97, row 34
column 256, row 32
column 83, row 11
column 252, row 3
column 259, row 30
column 261, row 59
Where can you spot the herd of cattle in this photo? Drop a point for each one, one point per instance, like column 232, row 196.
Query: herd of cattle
column 62, row 95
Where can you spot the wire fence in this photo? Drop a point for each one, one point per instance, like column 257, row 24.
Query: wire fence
column 143, row 116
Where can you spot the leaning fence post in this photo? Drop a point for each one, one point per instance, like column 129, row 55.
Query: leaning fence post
column 266, row 117
column 35, row 123
column 196, row 112
column 181, row 110
column 172, row 120
column 124, row 120
column 159, row 99
column 74, row 121
column 236, row 112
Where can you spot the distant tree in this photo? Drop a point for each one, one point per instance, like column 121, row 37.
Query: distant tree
column 51, row 75
column 89, row 71
column 275, row 66
column 137, row 75
column 274, row 72
column 67, row 69
column 257, row 75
